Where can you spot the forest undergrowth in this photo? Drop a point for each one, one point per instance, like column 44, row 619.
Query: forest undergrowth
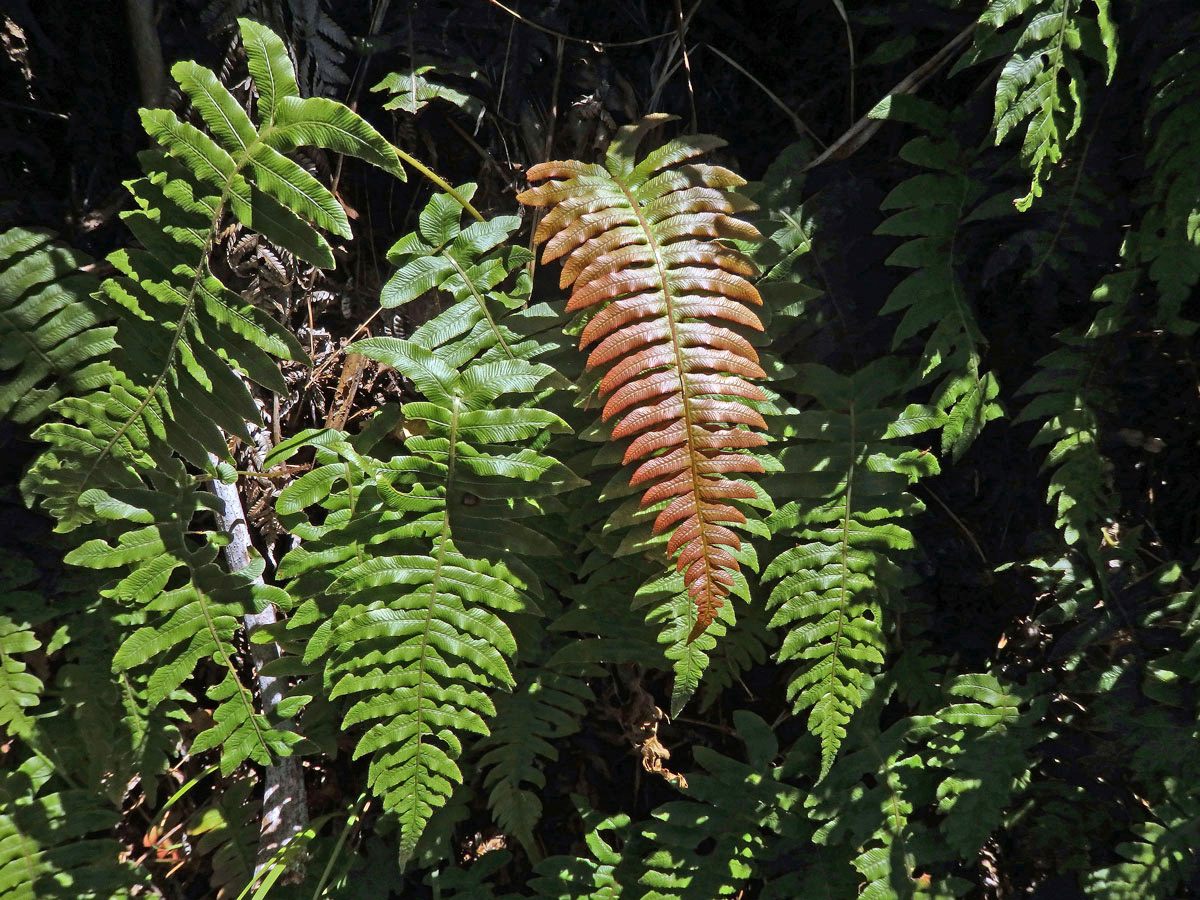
column 648, row 450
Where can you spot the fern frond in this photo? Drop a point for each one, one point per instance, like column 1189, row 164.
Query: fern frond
column 50, row 328
column 424, row 83
column 660, row 289
column 55, row 843
column 1168, row 241
column 544, row 706
column 1044, row 81
column 713, row 845
column 607, row 872
column 416, row 559
column 1158, row 865
column 931, row 207
column 20, row 689
column 1068, row 392
column 190, row 623
column 171, row 387
column 850, row 483
column 226, row 830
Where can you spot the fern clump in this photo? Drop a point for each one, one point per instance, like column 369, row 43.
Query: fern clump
column 175, row 387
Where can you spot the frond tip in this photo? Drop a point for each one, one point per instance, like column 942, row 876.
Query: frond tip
column 644, row 255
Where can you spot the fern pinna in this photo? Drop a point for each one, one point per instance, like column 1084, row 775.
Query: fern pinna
column 646, row 262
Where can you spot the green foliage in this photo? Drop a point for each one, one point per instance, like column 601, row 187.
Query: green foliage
column 51, row 842
column 49, row 326
column 851, row 486
column 1044, row 81
column 418, row 558
column 932, row 207
column 1168, row 242
column 491, row 676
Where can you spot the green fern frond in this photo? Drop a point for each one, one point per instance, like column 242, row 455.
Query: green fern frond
column 51, row 330
column 713, row 845
column 1168, row 241
column 1043, row 81
column 1068, row 393
column 932, row 207
column 1158, row 865
column 425, row 82
column 850, row 482
column 226, row 830
column 55, row 845
column 172, row 390
column 20, row 689
column 544, row 706
column 187, row 624
column 607, row 873
column 415, row 561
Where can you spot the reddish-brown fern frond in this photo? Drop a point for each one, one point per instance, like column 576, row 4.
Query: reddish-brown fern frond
column 644, row 256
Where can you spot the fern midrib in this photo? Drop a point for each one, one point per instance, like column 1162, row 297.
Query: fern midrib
column 443, row 539
column 482, row 305
column 684, row 395
column 843, row 554
column 201, row 269
column 241, row 690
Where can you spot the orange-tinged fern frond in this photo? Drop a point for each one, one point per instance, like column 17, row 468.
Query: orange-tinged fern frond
column 642, row 253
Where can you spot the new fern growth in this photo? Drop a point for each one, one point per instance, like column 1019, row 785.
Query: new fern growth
column 646, row 262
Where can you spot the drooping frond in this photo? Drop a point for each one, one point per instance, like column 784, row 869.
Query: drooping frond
column 1044, row 81
column 930, row 209
column 51, row 330
column 415, row 561
column 645, row 257
column 544, row 706
column 849, row 476
column 1069, row 394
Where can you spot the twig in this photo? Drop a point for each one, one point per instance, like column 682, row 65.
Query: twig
column 33, row 110
column 797, row 122
column 600, row 45
column 957, row 521
column 336, row 353
column 862, row 130
column 285, row 804
column 147, row 51
column 687, row 64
